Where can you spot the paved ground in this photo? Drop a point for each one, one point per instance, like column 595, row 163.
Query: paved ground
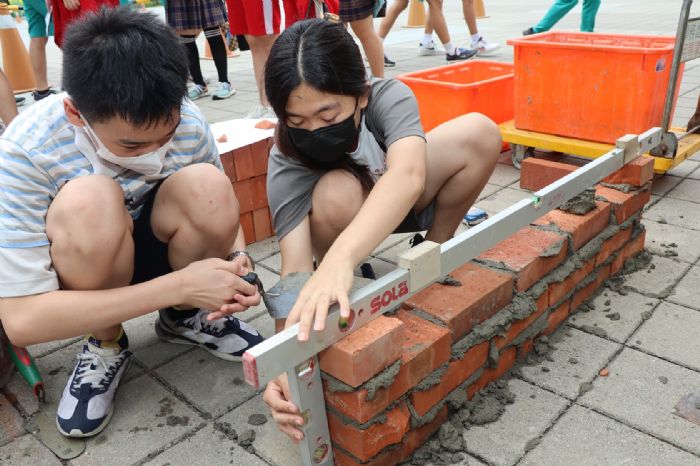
column 174, row 397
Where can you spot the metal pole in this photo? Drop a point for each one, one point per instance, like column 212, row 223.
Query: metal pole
column 675, row 66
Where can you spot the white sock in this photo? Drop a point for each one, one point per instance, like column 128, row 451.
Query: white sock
column 449, row 48
column 475, row 37
column 427, row 39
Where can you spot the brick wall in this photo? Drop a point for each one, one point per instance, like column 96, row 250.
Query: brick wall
column 448, row 339
column 246, row 167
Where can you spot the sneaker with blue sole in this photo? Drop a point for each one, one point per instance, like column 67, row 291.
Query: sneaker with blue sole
column 226, row 338
column 87, row 402
column 223, row 91
column 475, row 216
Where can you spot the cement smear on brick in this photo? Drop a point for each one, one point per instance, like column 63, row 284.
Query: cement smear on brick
column 580, row 204
column 624, row 187
column 382, row 380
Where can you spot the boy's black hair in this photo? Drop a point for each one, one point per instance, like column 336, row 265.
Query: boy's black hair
column 127, row 64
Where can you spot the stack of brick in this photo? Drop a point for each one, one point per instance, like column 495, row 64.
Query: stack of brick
column 246, row 167
column 387, row 385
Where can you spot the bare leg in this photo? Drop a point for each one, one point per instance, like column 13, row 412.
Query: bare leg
column 90, row 234
column 462, row 154
column 371, row 43
column 196, row 213
column 37, row 55
column 393, row 12
column 8, row 107
column 437, row 22
column 260, row 48
column 470, row 16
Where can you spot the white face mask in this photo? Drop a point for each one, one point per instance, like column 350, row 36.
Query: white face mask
column 149, row 164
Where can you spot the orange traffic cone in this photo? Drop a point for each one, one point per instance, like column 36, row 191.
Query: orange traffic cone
column 15, row 59
column 479, row 9
column 229, row 53
column 416, row 14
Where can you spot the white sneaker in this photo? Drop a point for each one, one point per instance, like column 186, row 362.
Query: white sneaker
column 484, row 47
column 223, row 91
column 428, row 50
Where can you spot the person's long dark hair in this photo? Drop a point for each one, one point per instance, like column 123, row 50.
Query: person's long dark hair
column 324, row 56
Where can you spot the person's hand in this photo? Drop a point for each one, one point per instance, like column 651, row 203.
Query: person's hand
column 693, row 123
column 284, row 412
column 216, row 284
column 71, row 4
column 329, row 284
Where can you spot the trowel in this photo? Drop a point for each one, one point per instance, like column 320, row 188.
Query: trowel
column 689, row 408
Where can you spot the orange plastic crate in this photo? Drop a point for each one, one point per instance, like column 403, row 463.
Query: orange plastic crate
column 589, row 86
column 449, row 91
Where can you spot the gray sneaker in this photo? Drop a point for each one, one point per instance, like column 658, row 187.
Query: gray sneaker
column 261, row 111
column 223, row 91
column 197, row 91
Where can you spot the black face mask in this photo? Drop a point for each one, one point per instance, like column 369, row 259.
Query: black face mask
column 326, row 145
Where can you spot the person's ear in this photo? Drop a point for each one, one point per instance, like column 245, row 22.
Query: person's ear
column 364, row 98
column 72, row 112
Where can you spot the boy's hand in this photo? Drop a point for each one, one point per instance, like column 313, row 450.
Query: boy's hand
column 329, row 284
column 217, row 285
column 71, row 4
column 284, row 412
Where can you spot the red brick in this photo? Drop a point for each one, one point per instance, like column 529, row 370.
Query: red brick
column 243, row 161
column 505, row 362
column 625, row 205
column 393, row 456
column 611, row 245
column 557, row 316
column 582, row 228
column 531, row 253
column 227, row 163
column 457, row 372
column 517, row 327
column 261, row 224
column 363, row 444
column 364, row 353
column 637, row 173
column 259, row 189
column 630, row 249
column 586, row 292
column 247, row 225
column 260, row 153
column 557, row 291
column 244, row 194
column 535, row 174
column 483, row 293
column 424, row 348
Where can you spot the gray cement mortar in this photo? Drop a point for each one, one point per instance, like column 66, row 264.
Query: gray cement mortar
column 580, row 204
column 382, row 380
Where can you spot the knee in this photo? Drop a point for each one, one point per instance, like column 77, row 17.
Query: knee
column 88, row 217
column 209, row 202
column 336, row 199
column 363, row 29
column 482, row 135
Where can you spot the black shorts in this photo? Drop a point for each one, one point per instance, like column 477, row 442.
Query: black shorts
column 418, row 221
column 150, row 254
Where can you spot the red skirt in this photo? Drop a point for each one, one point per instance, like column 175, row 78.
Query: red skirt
column 296, row 10
column 63, row 17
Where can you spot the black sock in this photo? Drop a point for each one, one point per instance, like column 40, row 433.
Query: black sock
column 44, row 92
column 218, row 52
column 193, row 57
column 176, row 314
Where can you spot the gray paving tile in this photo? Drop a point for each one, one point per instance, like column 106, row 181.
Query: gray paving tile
column 146, row 418
column 684, row 169
column 663, row 184
column 562, row 375
column 687, row 241
column 687, row 190
column 42, row 349
column 270, row 443
column 27, row 451
column 634, row 394
column 10, row 422
column 629, row 307
column 672, row 334
column 586, row 438
column 504, row 441
column 145, row 344
column 501, row 200
column 686, row 291
column 676, row 212
column 659, row 280
column 212, row 384
column 504, row 175
column 263, row 249
column 208, row 446
column 274, row 262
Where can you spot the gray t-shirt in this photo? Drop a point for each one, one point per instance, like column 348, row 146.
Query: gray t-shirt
column 391, row 114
